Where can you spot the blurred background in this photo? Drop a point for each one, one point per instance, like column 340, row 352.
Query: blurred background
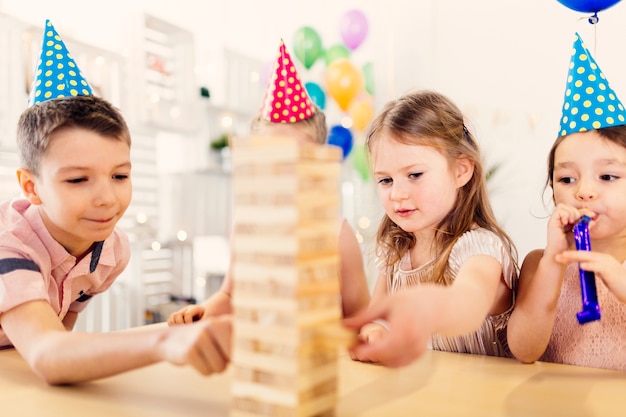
column 188, row 75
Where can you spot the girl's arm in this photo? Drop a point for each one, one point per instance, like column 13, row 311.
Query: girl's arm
column 217, row 304
column 531, row 322
column 373, row 331
column 62, row 357
column 414, row 315
column 355, row 294
column 541, row 277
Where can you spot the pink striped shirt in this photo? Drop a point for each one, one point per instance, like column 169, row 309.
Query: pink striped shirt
column 34, row 266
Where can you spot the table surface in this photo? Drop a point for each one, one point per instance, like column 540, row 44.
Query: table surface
column 439, row 384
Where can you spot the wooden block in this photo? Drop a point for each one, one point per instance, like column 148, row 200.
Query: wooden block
column 286, row 300
column 299, row 271
column 251, row 149
column 299, row 382
column 334, row 334
column 305, row 243
column 271, row 288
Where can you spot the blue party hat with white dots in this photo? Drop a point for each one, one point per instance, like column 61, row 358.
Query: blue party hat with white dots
column 57, row 74
column 590, row 103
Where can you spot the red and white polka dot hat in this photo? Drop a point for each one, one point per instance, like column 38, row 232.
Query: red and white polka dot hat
column 286, row 99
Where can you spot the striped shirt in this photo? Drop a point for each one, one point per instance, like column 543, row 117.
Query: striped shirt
column 34, row 266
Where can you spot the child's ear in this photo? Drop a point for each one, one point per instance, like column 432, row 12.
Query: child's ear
column 26, row 179
column 464, row 170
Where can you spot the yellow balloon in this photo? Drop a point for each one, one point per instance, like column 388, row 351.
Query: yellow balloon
column 361, row 113
column 343, row 82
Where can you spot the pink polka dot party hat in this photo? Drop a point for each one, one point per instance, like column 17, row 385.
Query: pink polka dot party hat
column 286, row 99
column 590, row 103
column 57, row 74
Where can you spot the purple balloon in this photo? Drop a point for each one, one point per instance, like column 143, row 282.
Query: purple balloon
column 353, row 28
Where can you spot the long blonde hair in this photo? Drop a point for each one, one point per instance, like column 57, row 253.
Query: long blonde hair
column 428, row 118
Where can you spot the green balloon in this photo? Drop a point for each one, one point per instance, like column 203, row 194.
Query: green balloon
column 360, row 162
column 307, row 46
column 368, row 76
column 336, row 52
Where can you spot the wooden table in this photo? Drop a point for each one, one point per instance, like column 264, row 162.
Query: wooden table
column 439, row 384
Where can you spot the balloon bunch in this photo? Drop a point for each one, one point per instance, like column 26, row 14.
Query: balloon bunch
column 349, row 86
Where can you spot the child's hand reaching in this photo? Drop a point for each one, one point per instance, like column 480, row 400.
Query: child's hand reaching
column 405, row 340
column 187, row 314
column 373, row 332
column 370, row 333
column 206, row 346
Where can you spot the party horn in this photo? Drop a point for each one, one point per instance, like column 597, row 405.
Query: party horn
column 591, row 309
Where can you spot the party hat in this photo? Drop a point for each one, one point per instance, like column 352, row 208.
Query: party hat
column 590, row 103
column 57, row 74
column 286, row 100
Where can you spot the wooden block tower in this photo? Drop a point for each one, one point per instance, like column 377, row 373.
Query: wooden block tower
column 285, row 270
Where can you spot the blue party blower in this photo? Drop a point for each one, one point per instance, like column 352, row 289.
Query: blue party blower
column 591, row 309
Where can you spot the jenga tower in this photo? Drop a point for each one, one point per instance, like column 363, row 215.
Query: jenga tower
column 285, row 270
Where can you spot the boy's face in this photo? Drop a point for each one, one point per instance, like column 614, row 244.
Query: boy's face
column 83, row 188
column 590, row 172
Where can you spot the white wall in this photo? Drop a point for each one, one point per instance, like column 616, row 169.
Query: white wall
column 503, row 62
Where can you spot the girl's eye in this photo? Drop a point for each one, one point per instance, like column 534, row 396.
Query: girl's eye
column 608, row 177
column 384, row 181
column 566, row 180
column 415, row 175
column 120, row 177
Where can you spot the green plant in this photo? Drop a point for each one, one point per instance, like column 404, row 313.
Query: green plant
column 220, row 142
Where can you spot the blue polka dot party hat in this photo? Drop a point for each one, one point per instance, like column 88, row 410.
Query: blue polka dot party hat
column 590, row 103
column 57, row 74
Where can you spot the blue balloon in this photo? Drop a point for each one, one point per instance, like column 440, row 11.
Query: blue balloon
column 316, row 93
column 342, row 137
column 588, row 6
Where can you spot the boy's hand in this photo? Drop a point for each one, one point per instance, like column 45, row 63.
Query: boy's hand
column 205, row 345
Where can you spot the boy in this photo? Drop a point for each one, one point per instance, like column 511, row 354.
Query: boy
column 59, row 244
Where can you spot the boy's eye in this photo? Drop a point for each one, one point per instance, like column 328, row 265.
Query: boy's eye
column 384, row 181
column 566, row 180
column 76, row 180
column 120, row 177
column 415, row 175
column 608, row 177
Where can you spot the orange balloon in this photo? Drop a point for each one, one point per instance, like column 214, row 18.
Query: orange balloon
column 361, row 113
column 343, row 82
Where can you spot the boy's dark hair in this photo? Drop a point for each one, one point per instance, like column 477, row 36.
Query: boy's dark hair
column 315, row 126
column 38, row 122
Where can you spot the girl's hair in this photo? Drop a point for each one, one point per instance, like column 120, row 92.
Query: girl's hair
column 315, row 126
column 38, row 122
column 428, row 118
column 615, row 134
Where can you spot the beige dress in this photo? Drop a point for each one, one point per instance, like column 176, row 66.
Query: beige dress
column 490, row 338
column 597, row 344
